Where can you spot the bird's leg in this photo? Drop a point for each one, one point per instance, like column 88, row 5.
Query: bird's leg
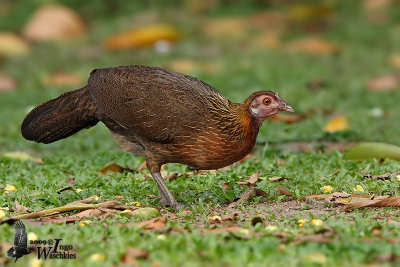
column 166, row 196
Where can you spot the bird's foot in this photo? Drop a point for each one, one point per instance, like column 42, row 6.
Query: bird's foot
column 175, row 204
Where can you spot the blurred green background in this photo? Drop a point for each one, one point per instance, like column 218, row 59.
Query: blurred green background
column 326, row 58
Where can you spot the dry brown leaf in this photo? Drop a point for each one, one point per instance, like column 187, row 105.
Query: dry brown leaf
column 12, row 45
column 6, row 82
column 234, row 26
column 142, row 37
column 313, row 45
column 376, row 202
column 384, row 83
column 115, row 168
column 284, row 192
column 132, row 254
column 337, row 124
column 153, row 224
column 253, row 179
column 316, row 84
column 54, row 22
column 315, row 146
column 248, row 195
column 189, row 65
column 88, row 214
column 394, row 60
column 20, row 208
column 277, row 178
column 385, row 176
column 268, row 40
column 271, row 21
column 374, row 5
column 63, row 79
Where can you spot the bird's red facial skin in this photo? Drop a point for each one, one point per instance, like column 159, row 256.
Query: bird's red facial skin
column 266, row 105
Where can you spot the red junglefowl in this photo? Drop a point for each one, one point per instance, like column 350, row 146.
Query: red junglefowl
column 159, row 114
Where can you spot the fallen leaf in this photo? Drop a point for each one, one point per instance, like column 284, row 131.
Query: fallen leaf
column 278, row 178
column 144, row 213
column 315, row 146
column 233, row 26
column 306, row 13
column 68, row 188
column 54, row 22
column 10, row 187
column 2, row 214
column 12, row 45
column 115, row 168
column 394, row 60
column 97, row 257
column 313, row 45
column 22, row 156
column 284, row 192
column 327, row 188
column 253, row 179
column 316, row 84
column 385, row 176
column 247, row 195
column 337, row 124
column 61, row 79
column 142, row 37
column 190, row 66
column 317, row 257
column 132, row 254
column 7, row 83
column 153, row 224
column 369, row 150
column 384, row 83
column 20, row 208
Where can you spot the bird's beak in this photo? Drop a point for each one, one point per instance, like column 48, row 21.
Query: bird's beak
column 286, row 107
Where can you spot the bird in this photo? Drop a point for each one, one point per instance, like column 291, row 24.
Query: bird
column 20, row 247
column 165, row 116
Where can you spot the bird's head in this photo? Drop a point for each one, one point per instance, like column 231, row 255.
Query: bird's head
column 264, row 104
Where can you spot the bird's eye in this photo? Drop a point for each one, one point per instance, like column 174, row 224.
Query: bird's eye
column 267, row 101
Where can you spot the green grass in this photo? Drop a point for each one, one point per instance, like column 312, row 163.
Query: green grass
column 244, row 68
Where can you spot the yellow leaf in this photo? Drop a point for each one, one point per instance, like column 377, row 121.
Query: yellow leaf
column 135, row 203
column 161, row 237
column 215, row 218
column 359, row 188
column 302, row 222
column 327, row 188
column 98, row 257
column 10, row 187
column 337, row 124
column 2, row 214
column 22, row 156
column 84, row 223
column 317, row 222
column 34, row 262
column 79, row 190
column 270, row 228
column 12, row 45
column 243, row 231
column 142, row 37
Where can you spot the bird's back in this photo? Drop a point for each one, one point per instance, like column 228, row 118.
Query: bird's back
column 157, row 104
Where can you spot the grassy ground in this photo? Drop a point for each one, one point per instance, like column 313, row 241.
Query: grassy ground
column 360, row 237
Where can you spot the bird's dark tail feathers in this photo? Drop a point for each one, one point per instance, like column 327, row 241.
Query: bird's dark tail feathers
column 60, row 117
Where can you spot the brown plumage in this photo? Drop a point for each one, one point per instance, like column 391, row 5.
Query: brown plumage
column 162, row 115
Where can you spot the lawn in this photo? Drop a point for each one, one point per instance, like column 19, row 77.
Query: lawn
column 237, row 58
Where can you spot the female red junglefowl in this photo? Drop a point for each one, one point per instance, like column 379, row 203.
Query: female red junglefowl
column 162, row 115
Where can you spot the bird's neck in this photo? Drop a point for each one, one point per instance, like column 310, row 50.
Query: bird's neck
column 235, row 121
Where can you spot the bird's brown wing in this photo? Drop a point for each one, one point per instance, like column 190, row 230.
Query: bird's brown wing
column 156, row 104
